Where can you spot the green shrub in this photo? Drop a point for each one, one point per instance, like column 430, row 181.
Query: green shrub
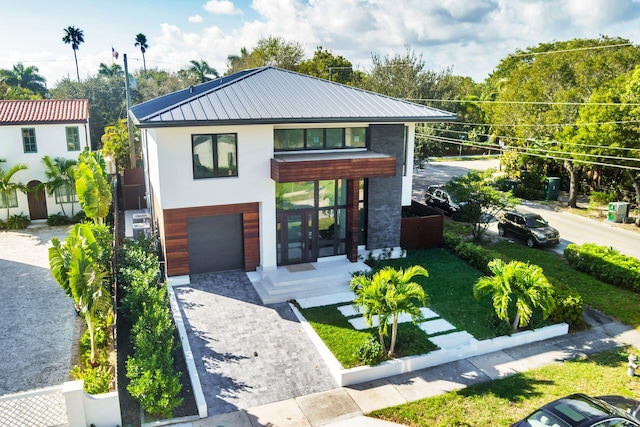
column 476, row 256
column 450, row 240
column 3, row 225
column 57, row 219
column 96, row 380
column 568, row 308
column 79, row 217
column 18, row 222
column 370, row 352
column 605, row 264
column 600, row 198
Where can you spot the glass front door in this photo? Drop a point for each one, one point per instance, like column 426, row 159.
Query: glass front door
column 297, row 231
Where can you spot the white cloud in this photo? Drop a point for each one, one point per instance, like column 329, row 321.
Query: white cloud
column 196, row 19
column 221, row 7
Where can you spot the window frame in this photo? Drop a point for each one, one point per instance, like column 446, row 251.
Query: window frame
column 77, row 137
column 308, row 147
column 215, row 137
column 13, row 200
column 69, row 195
column 29, row 140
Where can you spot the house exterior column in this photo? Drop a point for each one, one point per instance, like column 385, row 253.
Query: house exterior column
column 353, row 191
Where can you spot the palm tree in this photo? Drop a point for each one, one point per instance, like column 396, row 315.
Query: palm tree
column 518, row 286
column 201, row 70
column 75, row 37
column 60, row 173
column 371, row 294
column 92, row 186
column 141, row 40
column 74, row 266
column 25, row 78
column 113, row 70
column 7, row 186
column 406, row 296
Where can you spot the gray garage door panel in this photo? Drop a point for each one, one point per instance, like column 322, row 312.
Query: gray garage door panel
column 215, row 243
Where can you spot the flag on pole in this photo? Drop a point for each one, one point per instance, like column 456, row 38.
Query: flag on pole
column 114, row 53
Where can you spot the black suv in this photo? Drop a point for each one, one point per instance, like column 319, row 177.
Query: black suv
column 435, row 196
column 531, row 227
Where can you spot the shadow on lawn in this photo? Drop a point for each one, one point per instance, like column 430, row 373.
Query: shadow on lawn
column 516, row 388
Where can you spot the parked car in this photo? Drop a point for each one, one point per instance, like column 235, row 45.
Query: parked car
column 534, row 229
column 579, row 410
column 437, row 197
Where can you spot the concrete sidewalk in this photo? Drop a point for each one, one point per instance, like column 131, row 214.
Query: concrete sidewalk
column 345, row 406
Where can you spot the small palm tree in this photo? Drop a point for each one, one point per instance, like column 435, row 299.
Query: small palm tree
column 25, row 78
column 201, row 70
column 7, row 186
column 371, row 294
column 112, row 70
column 516, row 286
column 75, row 37
column 141, row 40
column 60, row 173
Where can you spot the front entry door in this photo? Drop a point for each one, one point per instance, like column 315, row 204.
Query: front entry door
column 297, row 234
column 37, row 201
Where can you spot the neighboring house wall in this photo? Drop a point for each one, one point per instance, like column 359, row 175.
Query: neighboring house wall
column 51, row 140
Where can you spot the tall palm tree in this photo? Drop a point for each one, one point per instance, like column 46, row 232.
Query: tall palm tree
column 60, row 173
column 25, row 78
column 141, row 40
column 516, row 286
column 201, row 70
column 113, row 70
column 7, row 186
column 75, row 37
column 406, row 297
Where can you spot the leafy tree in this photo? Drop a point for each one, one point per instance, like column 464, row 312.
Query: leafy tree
column 141, row 40
column 115, row 143
column 60, row 173
column 327, row 66
column 8, row 92
column 24, row 78
column 74, row 36
column 113, row 70
column 480, row 201
column 92, row 186
column 518, row 287
column 386, row 295
column 273, row 51
column 7, row 186
column 202, row 71
column 155, row 83
column 74, row 265
column 240, row 62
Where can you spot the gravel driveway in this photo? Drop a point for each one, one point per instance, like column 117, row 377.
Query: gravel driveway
column 38, row 319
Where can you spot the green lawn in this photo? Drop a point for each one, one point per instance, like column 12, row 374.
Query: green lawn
column 501, row 402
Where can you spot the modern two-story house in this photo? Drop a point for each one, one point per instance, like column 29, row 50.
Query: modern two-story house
column 30, row 130
column 268, row 168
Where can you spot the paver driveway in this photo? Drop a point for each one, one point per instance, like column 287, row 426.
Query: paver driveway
column 247, row 354
column 37, row 318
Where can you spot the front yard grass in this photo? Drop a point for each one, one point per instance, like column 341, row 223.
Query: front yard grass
column 503, row 401
column 449, row 286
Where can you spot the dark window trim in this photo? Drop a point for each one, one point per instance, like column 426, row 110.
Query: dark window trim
column 9, row 199
column 32, row 142
column 343, row 145
column 66, row 134
column 214, row 138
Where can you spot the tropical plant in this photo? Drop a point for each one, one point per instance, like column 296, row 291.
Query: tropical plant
column 115, row 144
column 202, row 71
column 141, row 40
column 60, row 173
column 75, row 37
column 25, row 78
column 74, row 264
column 92, row 186
column 516, row 286
column 8, row 187
column 113, row 70
column 370, row 298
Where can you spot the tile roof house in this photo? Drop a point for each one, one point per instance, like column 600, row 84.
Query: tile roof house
column 268, row 168
column 32, row 129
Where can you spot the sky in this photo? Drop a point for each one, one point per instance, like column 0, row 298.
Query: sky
column 468, row 36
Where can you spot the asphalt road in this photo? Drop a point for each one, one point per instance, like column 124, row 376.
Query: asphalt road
column 573, row 228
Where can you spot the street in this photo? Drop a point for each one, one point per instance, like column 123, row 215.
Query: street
column 573, row 228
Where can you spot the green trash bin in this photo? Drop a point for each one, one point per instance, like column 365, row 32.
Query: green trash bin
column 552, row 188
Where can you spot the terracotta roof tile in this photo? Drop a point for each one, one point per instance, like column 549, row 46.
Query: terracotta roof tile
column 43, row 111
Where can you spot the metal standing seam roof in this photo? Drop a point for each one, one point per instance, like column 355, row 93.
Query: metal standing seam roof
column 270, row 95
column 43, row 111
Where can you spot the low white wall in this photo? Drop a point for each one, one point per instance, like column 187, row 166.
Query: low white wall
column 361, row 374
column 83, row 409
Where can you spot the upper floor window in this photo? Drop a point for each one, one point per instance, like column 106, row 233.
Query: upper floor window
column 319, row 138
column 73, row 138
column 29, row 140
column 214, row 156
column 9, row 198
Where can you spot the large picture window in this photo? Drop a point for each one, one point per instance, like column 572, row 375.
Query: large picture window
column 73, row 138
column 10, row 198
column 319, row 139
column 29, row 140
column 214, row 156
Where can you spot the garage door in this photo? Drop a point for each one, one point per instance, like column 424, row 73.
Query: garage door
column 215, row 243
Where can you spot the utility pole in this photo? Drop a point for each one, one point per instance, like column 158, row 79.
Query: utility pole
column 132, row 148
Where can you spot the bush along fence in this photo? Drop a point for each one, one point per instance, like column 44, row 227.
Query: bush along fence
column 568, row 303
column 153, row 380
column 605, row 264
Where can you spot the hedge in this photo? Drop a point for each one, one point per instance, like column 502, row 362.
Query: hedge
column 605, row 264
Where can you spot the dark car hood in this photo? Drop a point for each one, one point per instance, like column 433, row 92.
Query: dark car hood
column 546, row 230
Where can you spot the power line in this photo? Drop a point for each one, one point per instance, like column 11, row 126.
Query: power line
column 482, row 101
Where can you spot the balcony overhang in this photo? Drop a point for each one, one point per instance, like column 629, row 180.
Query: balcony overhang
column 342, row 165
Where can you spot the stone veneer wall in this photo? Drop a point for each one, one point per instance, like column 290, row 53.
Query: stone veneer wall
column 384, row 196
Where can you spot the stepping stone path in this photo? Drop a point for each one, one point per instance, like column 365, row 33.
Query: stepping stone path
column 446, row 336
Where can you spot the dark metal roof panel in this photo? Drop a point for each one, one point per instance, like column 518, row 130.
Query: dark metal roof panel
column 272, row 95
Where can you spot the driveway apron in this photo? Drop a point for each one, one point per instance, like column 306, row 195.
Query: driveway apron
column 247, row 354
